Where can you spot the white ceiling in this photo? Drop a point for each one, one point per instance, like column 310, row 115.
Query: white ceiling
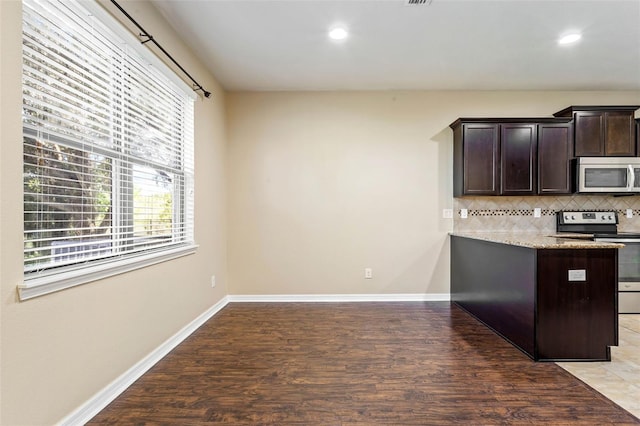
column 449, row 44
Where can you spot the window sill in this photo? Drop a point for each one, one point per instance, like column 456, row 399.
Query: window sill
column 52, row 282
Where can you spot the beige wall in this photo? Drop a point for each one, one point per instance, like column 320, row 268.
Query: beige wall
column 58, row 350
column 322, row 185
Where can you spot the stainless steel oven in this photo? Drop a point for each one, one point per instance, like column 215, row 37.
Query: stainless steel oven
column 603, row 225
column 628, row 270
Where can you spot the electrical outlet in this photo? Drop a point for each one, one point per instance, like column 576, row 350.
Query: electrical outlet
column 629, row 213
column 368, row 273
column 464, row 213
column 213, row 281
column 537, row 212
column 447, row 213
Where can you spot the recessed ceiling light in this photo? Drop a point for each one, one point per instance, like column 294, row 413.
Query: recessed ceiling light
column 569, row 38
column 338, row 33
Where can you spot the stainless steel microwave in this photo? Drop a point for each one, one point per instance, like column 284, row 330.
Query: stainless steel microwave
column 614, row 175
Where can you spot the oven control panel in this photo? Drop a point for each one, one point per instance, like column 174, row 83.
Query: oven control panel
column 588, row 218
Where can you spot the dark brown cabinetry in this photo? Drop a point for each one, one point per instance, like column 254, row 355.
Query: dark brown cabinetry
column 572, row 315
column 518, row 159
column 476, row 166
column 638, row 135
column 527, row 296
column 555, row 151
column 602, row 130
column 512, row 156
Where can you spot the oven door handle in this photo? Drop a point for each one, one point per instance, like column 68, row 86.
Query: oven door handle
column 617, row 240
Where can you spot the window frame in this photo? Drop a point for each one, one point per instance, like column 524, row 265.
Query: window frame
column 50, row 280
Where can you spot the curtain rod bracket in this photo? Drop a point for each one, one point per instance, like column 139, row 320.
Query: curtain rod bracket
column 149, row 38
column 143, row 33
column 197, row 87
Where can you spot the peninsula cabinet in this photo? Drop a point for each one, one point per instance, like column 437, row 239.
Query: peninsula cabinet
column 603, row 130
column 511, row 156
column 551, row 303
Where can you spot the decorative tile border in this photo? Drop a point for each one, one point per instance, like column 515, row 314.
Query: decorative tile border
column 505, row 212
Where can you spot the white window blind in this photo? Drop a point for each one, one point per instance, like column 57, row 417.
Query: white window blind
column 108, row 146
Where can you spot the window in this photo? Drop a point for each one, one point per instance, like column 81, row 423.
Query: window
column 108, row 150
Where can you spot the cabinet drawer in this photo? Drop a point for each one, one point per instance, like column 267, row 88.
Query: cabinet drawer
column 629, row 302
column 629, row 286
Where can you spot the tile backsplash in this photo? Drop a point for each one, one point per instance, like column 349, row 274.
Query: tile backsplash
column 516, row 213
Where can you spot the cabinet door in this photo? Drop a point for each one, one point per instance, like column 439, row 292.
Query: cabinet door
column 554, row 158
column 619, row 134
column 589, row 129
column 576, row 317
column 518, row 159
column 480, row 159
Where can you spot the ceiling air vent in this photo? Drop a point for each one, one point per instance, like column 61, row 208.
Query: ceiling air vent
column 417, row 2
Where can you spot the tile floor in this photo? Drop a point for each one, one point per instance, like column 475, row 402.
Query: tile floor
column 618, row 380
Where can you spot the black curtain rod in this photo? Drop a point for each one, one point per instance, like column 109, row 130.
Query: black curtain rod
column 143, row 33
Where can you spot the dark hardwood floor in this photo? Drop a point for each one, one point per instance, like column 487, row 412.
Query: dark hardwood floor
column 355, row 364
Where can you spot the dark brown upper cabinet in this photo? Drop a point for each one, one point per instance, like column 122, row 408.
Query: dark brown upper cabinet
column 555, row 152
column 638, row 135
column 603, row 130
column 511, row 156
column 518, row 159
column 476, row 152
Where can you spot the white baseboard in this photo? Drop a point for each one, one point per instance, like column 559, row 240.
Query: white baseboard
column 406, row 297
column 100, row 400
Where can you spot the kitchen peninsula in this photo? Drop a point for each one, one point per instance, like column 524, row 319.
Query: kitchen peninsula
column 553, row 298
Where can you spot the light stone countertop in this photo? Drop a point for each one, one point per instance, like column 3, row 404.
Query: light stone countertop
column 538, row 241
